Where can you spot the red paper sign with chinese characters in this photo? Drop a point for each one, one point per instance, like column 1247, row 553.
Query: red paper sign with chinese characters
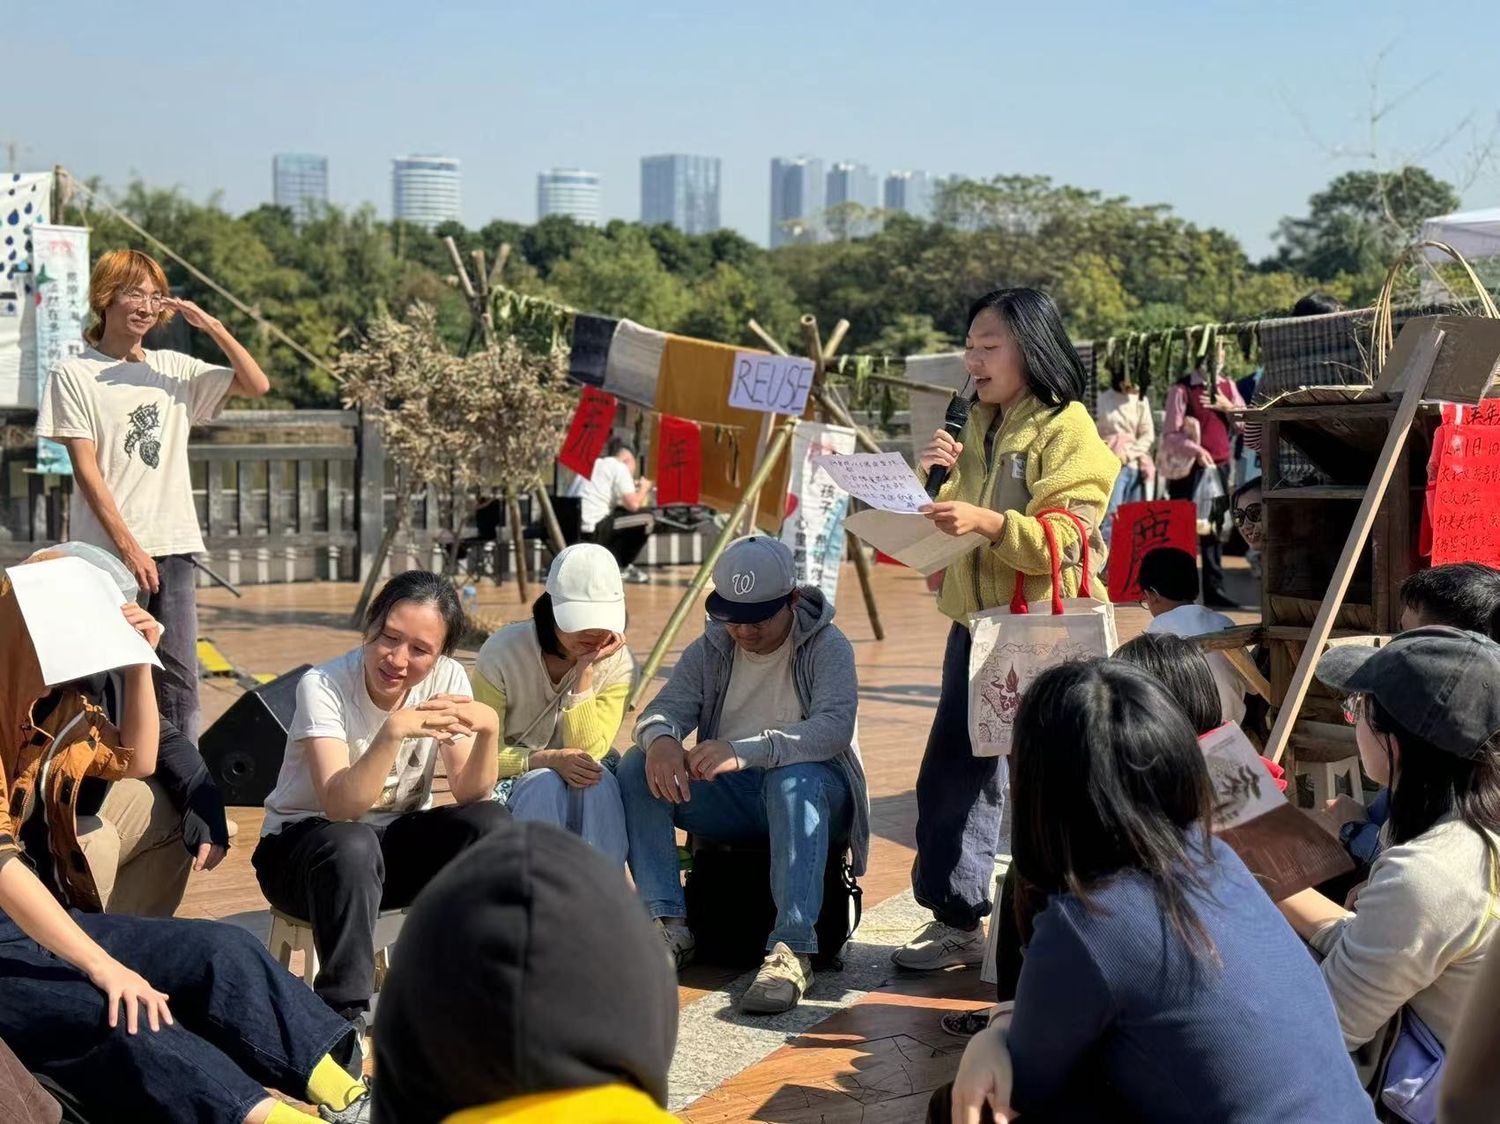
column 679, row 461
column 1141, row 528
column 1464, row 496
column 592, row 421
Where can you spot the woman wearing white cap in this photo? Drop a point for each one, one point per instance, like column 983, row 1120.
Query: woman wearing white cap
column 559, row 683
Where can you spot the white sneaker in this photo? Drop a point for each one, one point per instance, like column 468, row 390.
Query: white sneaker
column 782, row 981
column 941, row 946
column 680, row 943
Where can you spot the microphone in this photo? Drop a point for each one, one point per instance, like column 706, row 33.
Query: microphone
column 953, row 424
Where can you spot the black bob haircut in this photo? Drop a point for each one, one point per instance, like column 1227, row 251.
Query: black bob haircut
column 1107, row 776
column 421, row 587
column 1052, row 369
column 1179, row 666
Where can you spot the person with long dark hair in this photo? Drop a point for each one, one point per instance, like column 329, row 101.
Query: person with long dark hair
column 350, row 828
column 1159, row 983
column 1029, row 445
column 1426, row 712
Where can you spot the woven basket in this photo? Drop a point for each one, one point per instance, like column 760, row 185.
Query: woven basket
column 1383, row 336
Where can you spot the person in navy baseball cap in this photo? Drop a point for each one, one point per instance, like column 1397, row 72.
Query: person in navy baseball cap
column 753, row 738
column 753, row 580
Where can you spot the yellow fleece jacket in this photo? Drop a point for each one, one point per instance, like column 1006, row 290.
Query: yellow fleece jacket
column 607, row 1104
column 1041, row 457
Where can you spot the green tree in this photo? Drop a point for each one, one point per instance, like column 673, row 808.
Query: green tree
column 1360, row 221
column 621, row 276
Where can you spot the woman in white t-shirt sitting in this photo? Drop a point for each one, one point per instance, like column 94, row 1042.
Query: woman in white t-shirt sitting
column 559, row 683
column 350, row 828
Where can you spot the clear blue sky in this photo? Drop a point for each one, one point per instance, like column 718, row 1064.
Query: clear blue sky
column 1231, row 113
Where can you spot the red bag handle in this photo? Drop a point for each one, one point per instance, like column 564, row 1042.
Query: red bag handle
column 1018, row 599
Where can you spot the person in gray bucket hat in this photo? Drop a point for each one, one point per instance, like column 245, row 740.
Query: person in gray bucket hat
column 1426, row 713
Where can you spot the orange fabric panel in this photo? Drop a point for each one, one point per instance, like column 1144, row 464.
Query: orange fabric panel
column 694, row 384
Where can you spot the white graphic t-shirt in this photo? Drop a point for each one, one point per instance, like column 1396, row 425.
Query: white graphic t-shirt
column 333, row 702
column 138, row 416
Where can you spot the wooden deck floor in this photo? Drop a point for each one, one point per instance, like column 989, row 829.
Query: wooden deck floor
column 875, row 1061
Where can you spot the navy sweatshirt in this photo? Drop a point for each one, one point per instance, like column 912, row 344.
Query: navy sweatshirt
column 1115, row 1017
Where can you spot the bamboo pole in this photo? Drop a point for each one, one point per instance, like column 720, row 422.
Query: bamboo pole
column 517, row 541
column 762, row 439
column 856, row 551
column 705, row 571
column 549, row 517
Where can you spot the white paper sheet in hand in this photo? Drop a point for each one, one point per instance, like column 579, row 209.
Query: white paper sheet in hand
column 72, row 610
column 883, row 480
column 912, row 539
column 1243, row 789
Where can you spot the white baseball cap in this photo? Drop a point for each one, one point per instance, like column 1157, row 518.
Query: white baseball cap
column 584, row 582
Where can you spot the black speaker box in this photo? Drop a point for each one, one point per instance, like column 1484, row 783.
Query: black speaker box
column 243, row 749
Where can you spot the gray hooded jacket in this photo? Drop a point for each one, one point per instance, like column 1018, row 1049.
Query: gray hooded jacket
column 827, row 687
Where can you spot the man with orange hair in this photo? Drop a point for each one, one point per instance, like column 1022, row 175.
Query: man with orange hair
column 124, row 414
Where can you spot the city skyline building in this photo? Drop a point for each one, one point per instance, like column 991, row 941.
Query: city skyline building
column 681, row 190
column 797, row 199
column 426, row 190
column 852, row 183
column 299, row 182
column 572, row 192
column 910, row 192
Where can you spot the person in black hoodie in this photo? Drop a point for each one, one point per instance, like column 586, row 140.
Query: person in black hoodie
column 530, row 986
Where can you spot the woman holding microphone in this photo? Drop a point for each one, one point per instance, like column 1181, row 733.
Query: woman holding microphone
column 1029, row 444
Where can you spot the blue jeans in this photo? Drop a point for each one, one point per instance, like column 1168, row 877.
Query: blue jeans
column 242, row 1022
column 594, row 814
column 801, row 809
column 1130, row 486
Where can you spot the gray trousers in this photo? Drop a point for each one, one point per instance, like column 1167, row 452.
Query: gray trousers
column 175, row 605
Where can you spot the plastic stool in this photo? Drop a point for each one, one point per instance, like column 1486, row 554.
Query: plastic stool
column 1325, row 776
column 292, row 934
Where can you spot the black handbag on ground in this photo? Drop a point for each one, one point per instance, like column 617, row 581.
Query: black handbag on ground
column 730, row 911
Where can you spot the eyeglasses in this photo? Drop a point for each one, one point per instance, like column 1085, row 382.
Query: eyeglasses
column 1250, row 513
column 141, row 297
column 1354, row 709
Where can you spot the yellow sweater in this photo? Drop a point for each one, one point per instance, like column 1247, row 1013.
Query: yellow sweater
column 607, row 1104
column 1041, row 458
column 510, row 675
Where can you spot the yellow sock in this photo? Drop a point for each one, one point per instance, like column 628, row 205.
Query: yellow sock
column 282, row 1113
column 331, row 1086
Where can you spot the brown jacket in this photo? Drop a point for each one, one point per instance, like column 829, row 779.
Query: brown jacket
column 75, row 737
column 22, row 1100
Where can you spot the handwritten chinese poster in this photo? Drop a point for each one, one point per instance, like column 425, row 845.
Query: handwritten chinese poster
column 814, row 524
column 592, row 421
column 1464, row 498
column 61, row 254
column 883, row 480
column 679, row 461
column 1141, row 528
